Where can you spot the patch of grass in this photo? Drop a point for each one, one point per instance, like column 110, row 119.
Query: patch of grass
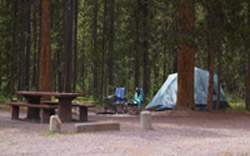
column 236, row 106
column 65, row 132
column 83, row 98
column 3, row 105
column 50, row 133
column 89, row 101
column 13, row 142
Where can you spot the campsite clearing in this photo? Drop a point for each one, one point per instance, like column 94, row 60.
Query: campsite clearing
column 175, row 133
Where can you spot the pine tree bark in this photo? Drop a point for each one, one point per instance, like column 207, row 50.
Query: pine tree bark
column 45, row 47
column 247, row 90
column 165, row 52
column 220, row 21
column 174, row 52
column 22, row 50
column 214, row 21
column 35, row 52
column 137, row 43
column 59, row 72
column 164, row 64
column 68, row 45
column 60, row 55
column 12, row 65
column 111, row 47
column 219, row 76
column 211, row 76
column 156, row 73
column 208, row 54
column 247, row 96
column 75, row 44
column 185, row 93
column 38, row 77
column 28, row 45
column 95, row 51
column 145, row 48
column 248, row 84
column 82, row 56
column 103, row 47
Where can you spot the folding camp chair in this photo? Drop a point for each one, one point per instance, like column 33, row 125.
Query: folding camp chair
column 117, row 100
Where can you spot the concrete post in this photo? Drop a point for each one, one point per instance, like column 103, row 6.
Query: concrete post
column 145, row 120
column 55, row 124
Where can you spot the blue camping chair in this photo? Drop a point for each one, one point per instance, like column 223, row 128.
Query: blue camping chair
column 117, row 99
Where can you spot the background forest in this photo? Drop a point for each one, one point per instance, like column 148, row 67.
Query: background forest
column 125, row 43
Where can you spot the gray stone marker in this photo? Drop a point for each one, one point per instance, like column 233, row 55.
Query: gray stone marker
column 55, row 124
column 101, row 126
column 145, row 120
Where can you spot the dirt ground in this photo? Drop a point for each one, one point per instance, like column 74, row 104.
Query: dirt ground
column 175, row 134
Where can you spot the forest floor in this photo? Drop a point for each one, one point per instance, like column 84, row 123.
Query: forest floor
column 194, row 133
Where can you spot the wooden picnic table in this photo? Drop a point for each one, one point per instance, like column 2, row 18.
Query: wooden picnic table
column 64, row 104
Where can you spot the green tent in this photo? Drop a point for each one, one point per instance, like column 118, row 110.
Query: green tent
column 166, row 97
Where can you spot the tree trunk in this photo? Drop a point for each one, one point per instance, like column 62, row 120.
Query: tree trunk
column 145, row 49
column 219, row 75
column 156, row 73
column 170, row 65
column 103, row 47
column 22, row 50
column 137, row 43
column 185, row 93
column 166, row 60
column 82, row 71
column 39, row 55
column 75, row 45
column 214, row 21
column 95, row 51
column 208, row 54
column 247, row 96
column 59, row 72
column 175, row 30
column 68, row 45
column 220, row 21
column 28, row 45
column 248, row 84
column 164, row 63
column 54, row 73
column 12, row 66
column 165, row 52
column 45, row 47
column 106, row 85
column 211, row 76
column 175, row 64
column 35, row 52
column 111, row 47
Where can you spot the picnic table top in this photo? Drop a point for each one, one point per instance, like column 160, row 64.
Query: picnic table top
column 56, row 94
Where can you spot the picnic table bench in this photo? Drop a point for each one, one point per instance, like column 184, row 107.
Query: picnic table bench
column 83, row 108
column 46, row 110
